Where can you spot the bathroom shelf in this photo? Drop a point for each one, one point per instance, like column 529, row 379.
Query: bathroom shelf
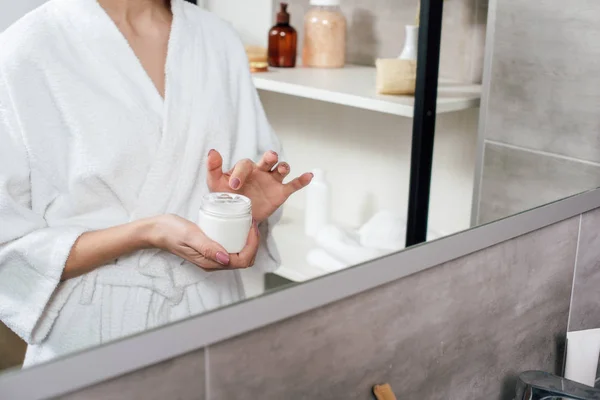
column 354, row 86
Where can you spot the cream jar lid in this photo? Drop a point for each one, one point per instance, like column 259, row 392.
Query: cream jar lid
column 226, row 205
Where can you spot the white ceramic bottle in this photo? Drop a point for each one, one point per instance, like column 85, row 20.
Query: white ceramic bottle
column 318, row 206
column 411, row 43
column 226, row 218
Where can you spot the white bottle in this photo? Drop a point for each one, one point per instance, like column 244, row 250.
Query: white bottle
column 317, row 210
column 411, row 43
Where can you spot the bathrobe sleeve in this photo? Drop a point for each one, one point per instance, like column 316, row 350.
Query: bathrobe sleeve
column 252, row 120
column 32, row 254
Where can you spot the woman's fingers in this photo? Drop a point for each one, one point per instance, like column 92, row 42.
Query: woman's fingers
column 268, row 161
column 214, row 164
column 245, row 258
column 240, row 173
column 211, row 256
column 296, row 184
column 213, row 252
column 282, row 170
column 202, row 261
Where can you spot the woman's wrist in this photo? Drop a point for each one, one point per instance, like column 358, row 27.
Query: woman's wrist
column 146, row 232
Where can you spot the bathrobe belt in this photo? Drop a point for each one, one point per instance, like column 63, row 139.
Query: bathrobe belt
column 160, row 272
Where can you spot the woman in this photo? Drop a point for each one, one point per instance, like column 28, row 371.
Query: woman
column 116, row 117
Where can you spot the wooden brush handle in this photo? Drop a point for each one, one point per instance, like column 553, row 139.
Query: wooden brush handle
column 383, row 392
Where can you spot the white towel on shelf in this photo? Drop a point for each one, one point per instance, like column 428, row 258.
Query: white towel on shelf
column 320, row 258
column 345, row 246
column 341, row 248
column 87, row 142
column 385, row 230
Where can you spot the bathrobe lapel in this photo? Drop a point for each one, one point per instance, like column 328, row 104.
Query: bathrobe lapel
column 168, row 185
column 184, row 83
column 98, row 35
column 161, row 190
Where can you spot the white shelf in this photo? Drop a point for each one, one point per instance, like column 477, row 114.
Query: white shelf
column 354, row 86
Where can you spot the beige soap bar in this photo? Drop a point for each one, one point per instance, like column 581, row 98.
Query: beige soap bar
column 395, row 76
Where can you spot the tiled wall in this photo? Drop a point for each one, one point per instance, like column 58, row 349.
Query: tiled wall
column 542, row 126
column 516, row 180
column 182, row 378
column 376, row 29
column 461, row 330
column 585, row 305
column 585, row 308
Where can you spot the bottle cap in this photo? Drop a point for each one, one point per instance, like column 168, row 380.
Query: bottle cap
column 226, row 205
column 283, row 17
column 326, row 3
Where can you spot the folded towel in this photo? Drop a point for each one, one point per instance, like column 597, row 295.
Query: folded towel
column 322, row 259
column 345, row 246
column 386, row 230
column 383, row 234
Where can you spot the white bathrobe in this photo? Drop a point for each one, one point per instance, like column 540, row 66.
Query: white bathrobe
column 87, row 142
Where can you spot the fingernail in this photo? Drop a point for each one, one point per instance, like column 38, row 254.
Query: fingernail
column 222, row 258
column 312, row 175
column 276, row 155
column 210, row 151
column 235, row 183
column 285, row 165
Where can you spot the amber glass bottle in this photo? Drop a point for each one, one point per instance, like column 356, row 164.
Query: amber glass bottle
column 282, row 41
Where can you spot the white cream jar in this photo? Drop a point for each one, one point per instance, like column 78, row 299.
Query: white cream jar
column 226, row 218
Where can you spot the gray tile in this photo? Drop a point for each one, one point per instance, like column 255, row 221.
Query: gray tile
column 376, row 29
column 478, row 41
column 182, row 378
column 545, row 86
column 458, row 33
column 514, row 181
column 585, row 307
column 461, row 330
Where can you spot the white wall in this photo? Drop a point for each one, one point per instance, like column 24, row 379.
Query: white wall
column 251, row 18
column 12, row 10
column 367, row 158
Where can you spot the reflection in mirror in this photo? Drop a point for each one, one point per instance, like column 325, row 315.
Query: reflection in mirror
column 134, row 188
column 117, row 121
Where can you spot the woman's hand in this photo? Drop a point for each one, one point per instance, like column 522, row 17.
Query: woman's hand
column 261, row 182
column 186, row 240
column 166, row 232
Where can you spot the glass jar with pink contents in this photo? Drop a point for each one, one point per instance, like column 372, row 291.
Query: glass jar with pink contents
column 324, row 35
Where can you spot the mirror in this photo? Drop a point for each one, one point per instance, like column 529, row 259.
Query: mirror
column 534, row 141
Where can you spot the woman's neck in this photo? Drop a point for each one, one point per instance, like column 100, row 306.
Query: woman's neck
column 130, row 11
